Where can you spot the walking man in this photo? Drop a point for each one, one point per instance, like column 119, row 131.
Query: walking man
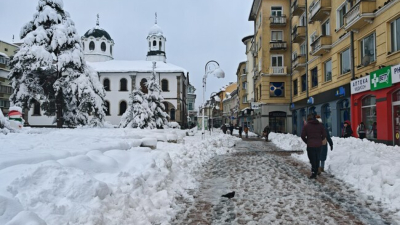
column 312, row 134
column 240, row 131
column 361, row 130
column 246, row 131
column 266, row 132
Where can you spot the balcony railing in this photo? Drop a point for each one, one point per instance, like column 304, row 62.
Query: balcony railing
column 299, row 62
column 320, row 45
column 298, row 7
column 319, row 10
column 298, row 34
column 277, row 20
column 360, row 14
column 281, row 45
column 278, row 70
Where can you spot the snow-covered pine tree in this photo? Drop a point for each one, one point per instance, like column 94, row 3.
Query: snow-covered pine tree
column 50, row 68
column 138, row 114
column 155, row 99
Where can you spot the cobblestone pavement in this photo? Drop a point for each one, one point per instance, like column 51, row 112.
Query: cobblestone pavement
column 273, row 188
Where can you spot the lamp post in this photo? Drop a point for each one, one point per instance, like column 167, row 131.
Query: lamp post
column 216, row 71
column 213, row 101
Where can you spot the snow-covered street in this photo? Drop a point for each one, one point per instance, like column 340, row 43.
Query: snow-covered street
column 273, row 188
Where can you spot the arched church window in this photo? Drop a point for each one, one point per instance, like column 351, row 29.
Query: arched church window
column 103, row 46
column 165, row 107
column 106, row 84
column 107, row 108
column 160, row 44
column 111, row 49
column 123, row 83
column 122, row 108
column 154, row 43
column 172, row 114
column 143, row 86
column 149, row 44
column 36, row 108
column 164, row 85
column 83, row 45
column 91, row 46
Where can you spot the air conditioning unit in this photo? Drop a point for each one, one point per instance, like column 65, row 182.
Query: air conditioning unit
column 365, row 60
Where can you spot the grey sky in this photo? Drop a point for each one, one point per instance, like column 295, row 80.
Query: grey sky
column 196, row 30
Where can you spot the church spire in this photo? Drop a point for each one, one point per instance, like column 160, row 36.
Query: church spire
column 156, row 17
column 97, row 22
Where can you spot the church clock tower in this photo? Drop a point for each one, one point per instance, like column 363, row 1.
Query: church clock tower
column 156, row 42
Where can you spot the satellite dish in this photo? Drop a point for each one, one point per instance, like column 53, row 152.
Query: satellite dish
column 365, row 60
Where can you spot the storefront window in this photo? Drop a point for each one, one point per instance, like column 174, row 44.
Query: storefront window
column 303, row 118
column 277, row 122
column 369, row 116
column 312, row 111
column 327, row 118
column 294, row 116
column 396, row 117
column 344, row 108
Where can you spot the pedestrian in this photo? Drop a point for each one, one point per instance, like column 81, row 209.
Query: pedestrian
column 224, row 128
column 324, row 148
column 266, row 132
column 246, row 131
column 374, row 130
column 347, row 131
column 240, row 131
column 231, row 128
column 361, row 130
column 312, row 134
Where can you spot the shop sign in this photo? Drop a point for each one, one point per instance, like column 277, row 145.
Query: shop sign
column 396, row 74
column 255, row 105
column 360, row 85
column 277, row 114
column 381, row 78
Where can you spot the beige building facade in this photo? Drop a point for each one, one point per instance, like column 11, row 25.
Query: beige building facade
column 7, row 51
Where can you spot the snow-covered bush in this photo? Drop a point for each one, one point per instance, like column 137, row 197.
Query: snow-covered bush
column 173, row 125
column 138, row 114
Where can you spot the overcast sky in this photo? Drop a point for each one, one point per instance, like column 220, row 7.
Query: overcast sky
column 196, row 30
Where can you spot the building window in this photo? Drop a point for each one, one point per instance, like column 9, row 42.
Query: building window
column 165, row 107
column 303, row 49
column 294, row 122
column 154, row 43
column 143, row 86
column 395, row 35
column 83, row 46
column 159, row 45
column 164, row 85
column 276, row 11
column 314, row 77
column 328, row 70
column 123, row 85
column 172, row 114
column 276, row 36
column 245, row 99
column 259, row 42
column 122, row 108
column 190, row 106
column 295, row 88
column 36, row 108
column 340, row 12
column 303, row 83
column 111, row 49
column 107, row 108
column 91, row 46
column 302, row 20
column 344, row 109
column 106, row 84
column 326, row 28
column 368, row 54
column 345, row 61
column 312, row 111
column 244, row 85
column 103, row 46
column 327, row 118
column 277, row 60
column 277, row 89
column 368, row 109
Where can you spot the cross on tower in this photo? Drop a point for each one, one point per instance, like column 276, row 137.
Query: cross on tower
column 97, row 22
column 156, row 17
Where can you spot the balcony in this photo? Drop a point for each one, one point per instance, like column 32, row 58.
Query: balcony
column 360, row 15
column 321, row 45
column 298, row 34
column 319, row 10
column 281, row 45
column 298, row 7
column 299, row 62
column 277, row 21
column 6, row 90
column 278, row 70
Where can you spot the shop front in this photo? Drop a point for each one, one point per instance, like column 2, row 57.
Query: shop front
column 376, row 103
column 333, row 106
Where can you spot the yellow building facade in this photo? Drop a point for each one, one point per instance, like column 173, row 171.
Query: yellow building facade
column 7, row 51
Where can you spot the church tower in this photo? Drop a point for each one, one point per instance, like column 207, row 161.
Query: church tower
column 97, row 44
column 156, row 41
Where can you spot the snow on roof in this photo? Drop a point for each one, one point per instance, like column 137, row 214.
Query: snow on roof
column 155, row 30
column 134, row 66
column 4, row 55
column 216, row 98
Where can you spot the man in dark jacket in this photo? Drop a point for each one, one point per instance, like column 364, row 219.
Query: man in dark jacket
column 231, row 128
column 266, row 132
column 312, row 134
column 347, row 131
column 224, row 128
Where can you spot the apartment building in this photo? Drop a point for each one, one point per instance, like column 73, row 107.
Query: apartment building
column 7, row 51
column 272, row 60
column 242, row 92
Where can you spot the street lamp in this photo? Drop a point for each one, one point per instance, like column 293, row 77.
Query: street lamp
column 216, row 71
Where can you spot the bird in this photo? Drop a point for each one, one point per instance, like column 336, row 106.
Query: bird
column 229, row 195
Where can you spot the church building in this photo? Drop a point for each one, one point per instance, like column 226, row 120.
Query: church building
column 120, row 77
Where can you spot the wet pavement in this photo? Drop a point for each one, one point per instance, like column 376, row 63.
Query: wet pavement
column 273, row 188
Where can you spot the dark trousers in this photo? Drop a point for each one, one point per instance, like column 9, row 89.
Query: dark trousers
column 313, row 156
column 362, row 135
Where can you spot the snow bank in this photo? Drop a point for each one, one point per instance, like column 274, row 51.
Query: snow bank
column 368, row 166
column 99, row 176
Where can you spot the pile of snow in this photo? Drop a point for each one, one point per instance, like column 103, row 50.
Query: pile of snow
column 99, row 176
column 368, row 166
column 173, row 125
column 5, row 127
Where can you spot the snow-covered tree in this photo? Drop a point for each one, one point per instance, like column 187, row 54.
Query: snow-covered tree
column 138, row 114
column 50, row 68
column 155, row 99
column 5, row 127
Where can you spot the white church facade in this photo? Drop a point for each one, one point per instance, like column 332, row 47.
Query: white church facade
column 120, row 78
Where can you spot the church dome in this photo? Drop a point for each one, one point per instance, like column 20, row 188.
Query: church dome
column 97, row 33
column 155, row 30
